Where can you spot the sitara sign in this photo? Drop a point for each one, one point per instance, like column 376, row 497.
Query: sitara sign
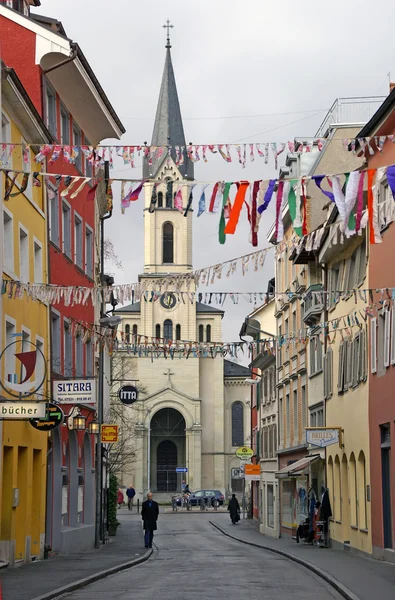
column 75, row 391
column 23, row 410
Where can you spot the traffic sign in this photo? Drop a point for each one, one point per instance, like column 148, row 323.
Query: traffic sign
column 109, row 434
column 244, row 452
column 181, row 470
column 53, row 418
column 128, row 394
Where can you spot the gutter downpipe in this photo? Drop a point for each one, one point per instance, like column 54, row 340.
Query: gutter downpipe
column 73, row 56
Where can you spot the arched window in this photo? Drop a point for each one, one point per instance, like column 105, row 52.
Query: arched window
column 134, row 330
column 157, row 331
column 160, row 199
column 168, row 329
column 201, row 330
column 337, row 492
column 178, row 332
column 169, row 195
column 208, row 333
column 127, row 334
column 237, row 424
column 168, row 243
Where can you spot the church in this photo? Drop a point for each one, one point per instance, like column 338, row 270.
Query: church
column 194, row 412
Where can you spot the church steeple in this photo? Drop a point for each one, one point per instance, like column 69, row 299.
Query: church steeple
column 168, row 126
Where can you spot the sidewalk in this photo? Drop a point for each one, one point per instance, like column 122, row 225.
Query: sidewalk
column 39, row 579
column 364, row 577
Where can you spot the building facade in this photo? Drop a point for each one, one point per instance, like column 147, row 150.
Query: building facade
column 25, row 326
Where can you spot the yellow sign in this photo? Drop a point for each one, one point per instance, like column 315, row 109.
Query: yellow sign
column 244, row 452
column 109, row 434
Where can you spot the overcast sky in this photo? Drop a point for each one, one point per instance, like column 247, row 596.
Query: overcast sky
column 251, row 71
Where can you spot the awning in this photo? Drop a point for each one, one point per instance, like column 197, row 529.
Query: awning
column 297, row 468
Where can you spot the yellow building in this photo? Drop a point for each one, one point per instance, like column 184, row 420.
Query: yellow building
column 24, row 326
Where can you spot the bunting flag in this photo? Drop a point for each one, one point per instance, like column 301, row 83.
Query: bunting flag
column 178, row 200
column 231, row 225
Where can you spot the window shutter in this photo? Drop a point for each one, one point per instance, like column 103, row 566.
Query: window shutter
column 330, row 378
column 393, row 336
column 387, row 328
column 373, row 345
column 363, row 352
column 325, row 368
column 347, row 365
column 341, row 368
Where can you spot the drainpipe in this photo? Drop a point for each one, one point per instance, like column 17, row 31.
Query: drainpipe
column 73, row 56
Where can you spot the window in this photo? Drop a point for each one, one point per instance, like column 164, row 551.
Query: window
column 88, row 164
column 134, row 331
column 89, row 358
column 208, row 333
column 160, row 199
column 317, row 417
column 24, row 255
column 77, row 139
column 168, row 330
column 315, row 350
column 237, row 424
column 353, row 491
column 64, row 126
column 344, row 369
column 328, row 374
column 168, row 243
column 78, row 240
column 169, row 195
column 178, row 332
column 304, row 408
column 287, row 419
column 361, row 271
column 373, row 345
column 281, row 420
column 10, row 329
column 270, row 506
column 127, row 334
column 361, row 479
column 8, row 241
column 53, row 196
column 157, row 331
column 338, row 490
column 265, row 387
column 68, row 357
column 50, row 109
column 294, row 325
column 279, row 342
column 89, row 252
column 40, row 366
column 385, row 200
column 79, row 360
column 201, row 333
column 55, row 341
column 358, row 358
column 335, row 283
column 349, row 279
column 295, row 394
column 38, row 262
column 6, row 139
column 66, row 228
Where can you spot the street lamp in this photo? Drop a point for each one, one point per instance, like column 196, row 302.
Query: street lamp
column 251, row 327
column 79, row 423
column 94, row 427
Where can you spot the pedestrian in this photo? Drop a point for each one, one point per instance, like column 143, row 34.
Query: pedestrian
column 120, row 498
column 234, row 509
column 325, row 513
column 130, row 492
column 149, row 514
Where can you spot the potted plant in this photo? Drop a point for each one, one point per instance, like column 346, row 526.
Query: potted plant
column 113, row 522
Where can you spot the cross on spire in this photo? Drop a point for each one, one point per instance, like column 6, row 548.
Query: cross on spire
column 168, row 26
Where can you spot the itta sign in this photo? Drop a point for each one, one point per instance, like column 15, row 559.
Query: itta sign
column 322, row 437
column 128, row 394
column 75, row 391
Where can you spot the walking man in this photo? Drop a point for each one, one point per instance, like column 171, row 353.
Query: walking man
column 149, row 514
column 130, row 492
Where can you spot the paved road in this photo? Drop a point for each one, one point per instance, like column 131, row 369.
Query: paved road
column 195, row 561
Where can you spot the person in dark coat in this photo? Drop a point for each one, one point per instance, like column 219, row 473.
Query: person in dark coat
column 149, row 514
column 234, row 508
column 325, row 513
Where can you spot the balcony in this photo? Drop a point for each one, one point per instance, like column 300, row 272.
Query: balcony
column 350, row 111
column 313, row 304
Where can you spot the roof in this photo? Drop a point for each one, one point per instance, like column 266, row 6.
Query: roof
column 50, row 23
column 200, row 308
column 298, row 467
column 168, row 126
column 233, row 370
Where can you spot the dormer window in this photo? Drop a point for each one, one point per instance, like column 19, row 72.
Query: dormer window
column 21, row 6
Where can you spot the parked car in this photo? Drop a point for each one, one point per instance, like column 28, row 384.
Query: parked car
column 208, row 496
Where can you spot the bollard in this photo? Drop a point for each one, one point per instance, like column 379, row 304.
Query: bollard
column 138, row 505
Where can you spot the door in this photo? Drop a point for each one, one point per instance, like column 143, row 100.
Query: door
column 166, row 461
column 386, row 486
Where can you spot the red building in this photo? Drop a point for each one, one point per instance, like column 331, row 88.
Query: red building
column 66, row 92
column 381, row 274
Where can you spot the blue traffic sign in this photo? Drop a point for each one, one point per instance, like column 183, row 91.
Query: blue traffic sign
column 181, row 470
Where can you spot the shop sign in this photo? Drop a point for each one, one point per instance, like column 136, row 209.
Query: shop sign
column 252, row 472
column 75, row 391
column 109, row 434
column 244, row 452
column 322, row 437
column 22, row 410
column 128, row 394
column 53, row 418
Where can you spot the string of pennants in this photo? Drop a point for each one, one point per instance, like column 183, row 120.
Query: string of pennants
column 230, row 152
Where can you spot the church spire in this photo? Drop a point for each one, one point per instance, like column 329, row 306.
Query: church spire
column 168, row 126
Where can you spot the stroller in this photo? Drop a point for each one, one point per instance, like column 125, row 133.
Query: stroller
column 303, row 532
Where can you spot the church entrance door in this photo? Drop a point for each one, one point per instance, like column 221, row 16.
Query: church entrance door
column 168, row 449
column 166, row 461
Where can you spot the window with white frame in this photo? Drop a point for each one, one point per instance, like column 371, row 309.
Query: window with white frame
column 10, row 330
column 38, row 262
column 53, row 196
column 66, row 228
column 343, row 372
column 64, row 126
column 6, row 139
column 335, row 283
column 50, row 109
column 24, row 273
column 358, row 358
column 328, row 374
column 373, row 345
column 383, row 341
column 77, row 141
column 78, row 240
column 8, row 241
column 26, row 339
column 355, row 269
column 40, row 365
column 68, row 349
column 89, row 252
column 315, row 351
column 317, row 416
column 279, row 346
column 88, row 164
column 89, row 358
column 79, row 359
column 55, row 342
